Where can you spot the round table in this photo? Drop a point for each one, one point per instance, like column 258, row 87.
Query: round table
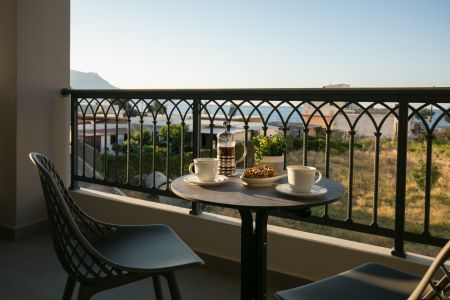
column 261, row 201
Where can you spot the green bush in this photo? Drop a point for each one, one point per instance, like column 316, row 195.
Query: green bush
column 269, row 145
column 318, row 143
column 175, row 137
column 419, row 175
column 147, row 164
column 134, row 141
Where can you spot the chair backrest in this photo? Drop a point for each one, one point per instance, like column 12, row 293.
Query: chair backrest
column 430, row 287
column 71, row 228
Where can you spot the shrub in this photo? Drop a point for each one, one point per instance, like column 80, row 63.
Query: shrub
column 174, row 137
column 269, row 146
column 147, row 164
column 419, row 175
column 318, row 143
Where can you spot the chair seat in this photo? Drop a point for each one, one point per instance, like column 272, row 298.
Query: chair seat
column 368, row 281
column 146, row 248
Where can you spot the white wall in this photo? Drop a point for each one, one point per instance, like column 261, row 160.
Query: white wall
column 365, row 127
column 42, row 118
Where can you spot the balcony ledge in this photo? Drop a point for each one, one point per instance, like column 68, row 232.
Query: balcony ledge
column 290, row 252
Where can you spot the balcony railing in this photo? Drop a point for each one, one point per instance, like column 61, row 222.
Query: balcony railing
column 141, row 139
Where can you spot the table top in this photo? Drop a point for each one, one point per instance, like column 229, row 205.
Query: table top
column 233, row 194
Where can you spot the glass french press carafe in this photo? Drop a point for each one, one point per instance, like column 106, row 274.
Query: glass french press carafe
column 226, row 146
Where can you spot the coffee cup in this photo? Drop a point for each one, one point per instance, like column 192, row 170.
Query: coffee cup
column 302, row 178
column 205, row 168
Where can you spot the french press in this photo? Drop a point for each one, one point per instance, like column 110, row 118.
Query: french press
column 226, row 154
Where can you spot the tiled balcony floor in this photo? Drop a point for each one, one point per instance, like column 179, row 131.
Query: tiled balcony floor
column 29, row 269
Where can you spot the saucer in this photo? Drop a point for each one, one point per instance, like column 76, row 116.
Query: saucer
column 315, row 191
column 192, row 178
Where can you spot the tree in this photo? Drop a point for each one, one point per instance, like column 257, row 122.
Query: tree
column 174, row 136
column 146, row 138
column 426, row 113
column 419, row 175
column 158, row 107
column 126, row 106
column 134, row 141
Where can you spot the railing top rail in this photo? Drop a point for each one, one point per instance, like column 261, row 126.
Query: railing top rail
column 416, row 94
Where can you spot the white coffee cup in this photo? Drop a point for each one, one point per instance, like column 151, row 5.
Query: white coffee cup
column 205, row 168
column 301, row 178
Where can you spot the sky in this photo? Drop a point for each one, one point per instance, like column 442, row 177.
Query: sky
column 149, row 44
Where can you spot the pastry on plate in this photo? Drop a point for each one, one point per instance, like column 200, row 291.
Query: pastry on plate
column 259, row 172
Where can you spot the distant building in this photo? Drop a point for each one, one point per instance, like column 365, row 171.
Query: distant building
column 341, row 109
column 365, row 126
column 328, row 110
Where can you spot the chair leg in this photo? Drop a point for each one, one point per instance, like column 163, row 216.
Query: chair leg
column 68, row 290
column 157, row 287
column 173, row 286
column 85, row 292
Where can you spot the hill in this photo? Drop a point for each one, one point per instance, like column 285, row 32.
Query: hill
column 90, row 80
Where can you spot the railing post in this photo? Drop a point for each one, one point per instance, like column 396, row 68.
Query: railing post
column 426, row 223
column 74, row 141
column 196, row 140
column 400, row 194
column 196, row 128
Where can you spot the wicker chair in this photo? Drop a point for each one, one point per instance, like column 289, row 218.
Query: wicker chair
column 376, row 281
column 102, row 256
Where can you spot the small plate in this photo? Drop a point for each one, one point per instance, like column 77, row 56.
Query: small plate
column 315, row 191
column 260, row 182
column 194, row 180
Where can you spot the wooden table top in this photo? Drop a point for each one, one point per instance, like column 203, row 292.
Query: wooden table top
column 233, row 194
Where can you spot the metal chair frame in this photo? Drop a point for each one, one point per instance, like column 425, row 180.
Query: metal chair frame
column 71, row 232
column 431, row 285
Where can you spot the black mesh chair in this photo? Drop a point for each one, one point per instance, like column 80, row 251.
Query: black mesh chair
column 376, row 281
column 101, row 256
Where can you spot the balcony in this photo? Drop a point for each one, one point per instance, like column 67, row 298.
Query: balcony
column 113, row 125
column 123, row 142
column 369, row 139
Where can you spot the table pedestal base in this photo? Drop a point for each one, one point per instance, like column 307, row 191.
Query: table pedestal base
column 253, row 254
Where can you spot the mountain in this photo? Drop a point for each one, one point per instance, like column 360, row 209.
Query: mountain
column 89, row 81
column 337, row 86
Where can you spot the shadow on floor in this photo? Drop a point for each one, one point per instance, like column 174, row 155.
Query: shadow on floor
column 29, row 269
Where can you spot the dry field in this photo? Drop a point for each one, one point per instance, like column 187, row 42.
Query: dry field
column 363, row 195
column 363, row 189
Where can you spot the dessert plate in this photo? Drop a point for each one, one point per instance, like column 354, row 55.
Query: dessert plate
column 260, row 182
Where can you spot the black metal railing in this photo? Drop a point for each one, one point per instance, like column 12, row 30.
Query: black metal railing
column 141, row 139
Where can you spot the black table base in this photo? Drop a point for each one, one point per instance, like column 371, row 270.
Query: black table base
column 254, row 205
column 253, row 254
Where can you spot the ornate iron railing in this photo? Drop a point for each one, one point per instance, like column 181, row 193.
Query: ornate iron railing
column 137, row 135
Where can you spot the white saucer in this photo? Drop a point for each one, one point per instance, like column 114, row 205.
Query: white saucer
column 192, row 178
column 315, row 191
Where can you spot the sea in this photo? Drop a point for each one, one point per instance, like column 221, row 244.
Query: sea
column 284, row 110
